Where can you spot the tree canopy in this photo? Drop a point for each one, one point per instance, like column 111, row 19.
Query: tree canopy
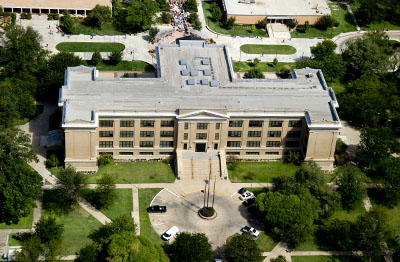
column 70, row 187
column 190, row 247
column 350, row 181
column 242, row 248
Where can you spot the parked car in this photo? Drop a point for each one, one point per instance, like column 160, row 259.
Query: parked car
column 249, row 201
column 246, row 195
column 242, row 190
column 157, row 209
column 250, row 230
column 170, row 233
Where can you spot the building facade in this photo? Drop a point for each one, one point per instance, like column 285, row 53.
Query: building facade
column 196, row 105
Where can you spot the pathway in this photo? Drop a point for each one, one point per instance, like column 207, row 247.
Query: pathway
column 353, row 16
column 279, row 250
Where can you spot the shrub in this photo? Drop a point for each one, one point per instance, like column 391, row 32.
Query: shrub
column 96, row 58
column 53, row 16
column 115, row 57
column 230, row 22
column 253, row 28
column 262, row 24
column 275, row 62
column 153, row 31
column 285, row 71
column 254, row 73
column 291, row 23
column 26, row 16
column 165, row 17
column 294, row 158
column 303, row 28
column 207, row 211
column 190, row 5
column 105, row 159
column 325, row 22
column 52, row 161
column 216, row 12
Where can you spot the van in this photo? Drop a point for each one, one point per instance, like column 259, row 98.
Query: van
column 170, row 233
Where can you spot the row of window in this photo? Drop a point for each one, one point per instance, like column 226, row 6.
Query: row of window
column 258, row 143
column 131, row 123
column 142, row 134
column 140, row 153
column 200, row 126
column 107, row 144
column 252, row 153
column 258, row 134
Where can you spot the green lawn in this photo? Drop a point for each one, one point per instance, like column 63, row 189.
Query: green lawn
column 136, row 172
column 77, row 225
column 265, row 243
column 342, row 16
column 146, row 195
column 323, row 259
column 123, row 204
column 24, row 223
column 337, row 86
column 89, row 46
column 264, row 171
column 392, row 213
column 263, row 66
column 125, row 66
column 268, row 49
column 107, row 29
column 309, row 245
column 12, row 241
column 351, row 215
column 237, row 30
column 38, row 111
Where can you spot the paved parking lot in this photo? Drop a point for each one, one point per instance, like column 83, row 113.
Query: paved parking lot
column 182, row 212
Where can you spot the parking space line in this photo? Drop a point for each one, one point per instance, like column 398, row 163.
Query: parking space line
column 171, row 192
column 234, row 194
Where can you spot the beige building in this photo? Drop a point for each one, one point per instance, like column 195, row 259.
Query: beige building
column 76, row 7
column 275, row 11
column 196, row 109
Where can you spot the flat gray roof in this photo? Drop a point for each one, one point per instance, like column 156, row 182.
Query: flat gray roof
column 85, row 95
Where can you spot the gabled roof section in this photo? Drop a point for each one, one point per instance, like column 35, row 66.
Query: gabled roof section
column 202, row 115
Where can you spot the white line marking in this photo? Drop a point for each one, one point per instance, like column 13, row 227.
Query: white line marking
column 171, row 192
column 151, row 203
column 233, row 194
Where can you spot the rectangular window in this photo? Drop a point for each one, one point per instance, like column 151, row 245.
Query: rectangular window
column 146, row 134
column 167, row 123
column 217, row 125
column 106, row 134
column 233, row 153
column 292, row 143
column 103, row 144
column 216, row 136
column 236, row 123
column 255, row 123
column 234, row 133
column 125, row 143
column 146, row 144
column 216, row 146
column 108, row 153
column 252, row 153
column 166, row 133
column 146, row 153
column 166, row 153
column 202, row 126
column 185, row 136
column 272, row 153
column 274, row 133
column 201, row 136
column 106, row 123
column 126, row 123
column 254, row 134
column 126, row 153
column 166, row 143
column 186, row 125
column 273, row 143
column 233, row 144
column 295, row 123
column 275, row 123
column 185, row 146
column 293, row 133
column 253, row 143
column 147, row 123
column 126, row 133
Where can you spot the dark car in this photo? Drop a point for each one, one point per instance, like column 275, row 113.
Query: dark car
column 157, row 209
column 249, row 202
column 242, row 190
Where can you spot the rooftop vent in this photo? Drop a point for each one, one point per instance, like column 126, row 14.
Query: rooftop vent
column 188, row 67
column 184, row 72
column 204, row 81
column 182, row 61
column 205, row 61
column 214, row 83
column 190, row 81
column 194, row 72
column 207, row 72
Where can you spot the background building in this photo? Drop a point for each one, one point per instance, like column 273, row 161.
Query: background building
column 252, row 11
column 196, row 105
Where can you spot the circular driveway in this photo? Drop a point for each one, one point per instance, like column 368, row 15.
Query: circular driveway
column 182, row 212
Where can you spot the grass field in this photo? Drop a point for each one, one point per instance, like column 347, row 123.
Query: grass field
column 89, row 46
column 264, row 171
column 263, row 66
column 237, row 30
column 146, row 195
column 24, row 223
column 12, row 241
column 80, row 28
column 265, row 243
column 125, row 66
column 309, row 245
column 339, row 12
column 393, row 214
column 323, row 259
column 77, row 225
column 136, row 172
column 268, row 49
column 351, row 215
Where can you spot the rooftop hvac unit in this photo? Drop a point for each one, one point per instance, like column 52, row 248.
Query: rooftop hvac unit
column 252, row 1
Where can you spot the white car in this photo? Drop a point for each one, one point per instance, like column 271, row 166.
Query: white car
column 170, row 233
column 251, row 231
column 246, row 195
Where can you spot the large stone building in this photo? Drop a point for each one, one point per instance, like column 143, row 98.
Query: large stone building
column 76, row 7
column 195, row 104
column 252, row 11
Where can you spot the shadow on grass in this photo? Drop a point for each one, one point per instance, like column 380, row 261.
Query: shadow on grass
column 51, row 203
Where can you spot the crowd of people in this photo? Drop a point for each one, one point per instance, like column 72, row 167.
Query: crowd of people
column 178, row 15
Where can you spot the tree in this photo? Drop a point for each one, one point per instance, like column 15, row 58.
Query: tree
column 67, row 23
column 280, row 258
column 275, row 61
column 70, row 186
column 256, row 61
column 105, row 190
column 389, row 170
column 350, row 181
column 291, row 23
column 190, row 247
column 230, row 22
column 325, row 22
column 369, row 12
column 98, row 16
column 15, row 144
column 52, row 161
column 242, row 248
column 254, row 73
column 153, row 31
column 50, row 235
column 30, row 250
column 139, row 15
column 165, row 17
column 96, row 58
column 371, row 231
column 336, row 234
column 253, row 28
column 195, row 21
column 216, row 12
column 115, row 57
column 323, row 49
column 285, row 71
column 190, row 5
